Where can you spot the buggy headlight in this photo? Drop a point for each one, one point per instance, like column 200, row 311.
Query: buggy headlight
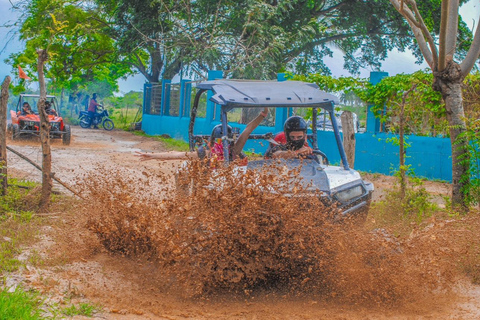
column 349, row 194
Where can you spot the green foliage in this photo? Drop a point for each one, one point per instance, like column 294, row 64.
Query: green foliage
column 174, row 144
column 125, row 110
column 472, row 159
column 83, row 309
column 424, row 110
column 254, row 39
column 80, row 52
column 416, row 205
column 19, row 304
column 14, row 202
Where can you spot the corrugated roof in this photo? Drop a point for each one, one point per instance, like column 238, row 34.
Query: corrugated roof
column 250, row 93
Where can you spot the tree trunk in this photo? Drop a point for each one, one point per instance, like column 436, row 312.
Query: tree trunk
column 448, row 83
column 60, row 107
column 3, row 135
column 44, row 134
column 348, row 137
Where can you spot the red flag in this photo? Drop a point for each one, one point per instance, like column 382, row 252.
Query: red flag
column 22, row 74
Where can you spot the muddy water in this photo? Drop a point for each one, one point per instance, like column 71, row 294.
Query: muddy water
column 238, row 236
column 235, row 251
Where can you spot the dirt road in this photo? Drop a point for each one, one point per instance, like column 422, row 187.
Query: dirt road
column 89, row 150
column 76, row 269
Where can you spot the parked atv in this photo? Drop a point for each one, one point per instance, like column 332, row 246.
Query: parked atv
column 28, row 124
column 100, row 118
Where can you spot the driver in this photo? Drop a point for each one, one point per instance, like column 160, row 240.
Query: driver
column 92, row 110
column 214, row 150
column 26, row 109
column 295, row 130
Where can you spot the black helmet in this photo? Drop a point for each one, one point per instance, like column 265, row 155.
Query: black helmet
column 294, row 123
column 217, row 133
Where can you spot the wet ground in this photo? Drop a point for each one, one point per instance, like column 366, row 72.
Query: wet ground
column 78, row 268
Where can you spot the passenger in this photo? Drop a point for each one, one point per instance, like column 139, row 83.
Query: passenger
column 26, row 109
column 49, row 110
column 215, row 146
column 295, row 138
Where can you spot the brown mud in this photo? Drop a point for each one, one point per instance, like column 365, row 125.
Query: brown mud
column 143, row 251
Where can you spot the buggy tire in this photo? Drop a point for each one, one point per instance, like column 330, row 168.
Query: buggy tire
column 85, row 122
column 15, row 132
column 108, row 125
column 67, row 136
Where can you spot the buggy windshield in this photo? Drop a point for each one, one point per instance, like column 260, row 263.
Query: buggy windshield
column 33, row 102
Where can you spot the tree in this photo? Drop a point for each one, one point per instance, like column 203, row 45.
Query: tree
column 80, row 52
column 448, row 77
column 253, row 39
column 47, row 183
column 142, row 31
column 257, row 39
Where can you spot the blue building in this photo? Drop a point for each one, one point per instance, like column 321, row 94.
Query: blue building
column 166, row 110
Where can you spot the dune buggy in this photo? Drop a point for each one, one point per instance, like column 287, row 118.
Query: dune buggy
column 339, row 186
column 25, row 125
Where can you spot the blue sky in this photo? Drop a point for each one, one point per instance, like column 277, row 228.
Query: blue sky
column 397, row 62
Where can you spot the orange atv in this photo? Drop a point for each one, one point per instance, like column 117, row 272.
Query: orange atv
column 26, row 121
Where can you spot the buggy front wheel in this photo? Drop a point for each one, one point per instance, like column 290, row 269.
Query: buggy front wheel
column 67, row 135
column 108, row 124
column 15, row 132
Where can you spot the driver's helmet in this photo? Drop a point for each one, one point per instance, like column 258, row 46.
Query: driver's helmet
column 295, row 123
column 217, row 133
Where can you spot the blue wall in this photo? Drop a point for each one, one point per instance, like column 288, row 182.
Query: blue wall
column 429, row 157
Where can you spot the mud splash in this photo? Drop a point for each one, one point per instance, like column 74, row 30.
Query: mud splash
column 254, row 232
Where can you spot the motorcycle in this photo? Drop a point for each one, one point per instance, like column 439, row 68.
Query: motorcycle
column 99, row 118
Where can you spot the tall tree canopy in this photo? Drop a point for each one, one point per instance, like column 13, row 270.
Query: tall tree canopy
column 256, row 39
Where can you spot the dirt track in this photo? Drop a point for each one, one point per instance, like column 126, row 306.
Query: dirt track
column 133, row 289
column 88, row 150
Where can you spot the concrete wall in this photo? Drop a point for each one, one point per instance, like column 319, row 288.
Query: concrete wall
column 429, row 157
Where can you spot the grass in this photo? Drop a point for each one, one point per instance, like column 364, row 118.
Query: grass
column 16, row 227
column 168, row 142
column 83, row 309
column 123, row 118
column 20, row 304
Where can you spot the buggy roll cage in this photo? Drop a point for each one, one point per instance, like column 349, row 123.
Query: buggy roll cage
column 230, row 94
column 21, row 100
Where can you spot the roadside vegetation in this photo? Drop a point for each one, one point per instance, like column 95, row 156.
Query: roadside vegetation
column 169, row 143
column 20, row 227
column 20, row 305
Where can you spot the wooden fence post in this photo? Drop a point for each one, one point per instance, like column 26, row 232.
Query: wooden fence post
column 348, row 136
column 3, row 135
